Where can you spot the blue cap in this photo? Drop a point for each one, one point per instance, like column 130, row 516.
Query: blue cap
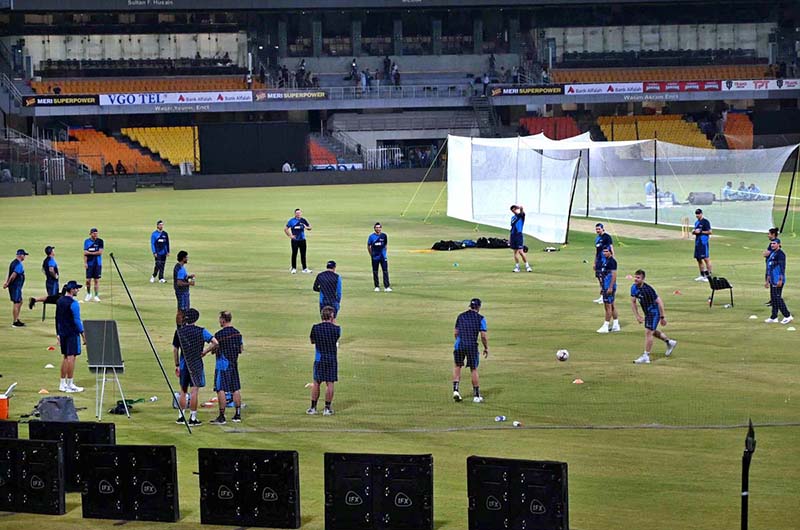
column 331, row 264
column 72, row 284
column 599, row 225
column 607, row 248
column 92, row 230
column 776, row 240
column 475, row 303
column 191, row 316
column 21, row 252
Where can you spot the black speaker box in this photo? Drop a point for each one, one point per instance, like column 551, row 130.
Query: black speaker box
column 32, row 477
column 517, row 494
column 378, row 492
column 9, row 429
column 249, row 488
column 73, row 435
column 130, row 482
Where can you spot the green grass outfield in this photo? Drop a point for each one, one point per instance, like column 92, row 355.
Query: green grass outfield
column 648, row 447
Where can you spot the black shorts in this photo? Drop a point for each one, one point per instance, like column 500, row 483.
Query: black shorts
column 517, row 242
column 326, row 370
column 227, row 379
column 473, row 358
column 94, row 272
column 71, row 345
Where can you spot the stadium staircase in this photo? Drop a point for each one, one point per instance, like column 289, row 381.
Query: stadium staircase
column 485, row 116
column 95, row 149
column 343, row 153
column 171, row 170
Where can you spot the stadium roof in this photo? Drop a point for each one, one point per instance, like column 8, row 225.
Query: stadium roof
column 227, row 5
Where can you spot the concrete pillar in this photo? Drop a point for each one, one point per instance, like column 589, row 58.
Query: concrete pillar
column 477, row 36
column 436, row 36
column 283, row 39
column 355, row 37
column 316, row 37
column 397, row 36
column 514, row 42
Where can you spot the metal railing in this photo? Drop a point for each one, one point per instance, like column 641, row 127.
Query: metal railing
column 349, row 143
column 397, row 92
column 400, row 122
column 11, row 88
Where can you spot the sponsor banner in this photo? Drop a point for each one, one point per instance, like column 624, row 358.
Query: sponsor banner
column 603, row 88
column 59, row 100
column 267, row 95
column 176, row 98
column 682, row 86
column 337, row 167
column 528, row 90
column 761, row 84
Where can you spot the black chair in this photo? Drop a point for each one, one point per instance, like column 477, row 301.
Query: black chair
column 717, row 284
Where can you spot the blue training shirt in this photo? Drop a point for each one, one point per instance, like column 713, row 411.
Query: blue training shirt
column 159, row 243
column 324, row 336
column 298, row 227
column 646, row 295
column 93, row 245
column 329, row 286
column 517, row 222
column 469, row 325
column 68, row 317
column 16, row 266
column 776, row 267
column 607, row 267
column 378, row 243
column 704, row 225
column 602, row 240
column 179, row 273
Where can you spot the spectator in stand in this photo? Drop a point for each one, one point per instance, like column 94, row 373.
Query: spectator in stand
column 515, row 75
column 354, row 69
column 387, row 67
column 378, row 76
column 287, row 167
column 262, row 75
column 108, row 169
column 492, row 63
column 741, row 193
column 727, row 192
column 485, row 82
column 396, row 76
column 121, row 169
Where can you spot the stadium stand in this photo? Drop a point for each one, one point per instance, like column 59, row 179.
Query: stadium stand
column 139, row 84
column 554, row 128
column 175, row 144
column 739, row 131
column 613, row 59
column 676, row 73
column 137, row 67
column 95, row 149
column 318, row 154
column 670, row 128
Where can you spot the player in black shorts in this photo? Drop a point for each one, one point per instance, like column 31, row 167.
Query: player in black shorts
column 226, row 372
column 325, row 338
column 469, row 325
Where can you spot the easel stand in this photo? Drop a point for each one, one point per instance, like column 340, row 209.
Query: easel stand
column 101, row 376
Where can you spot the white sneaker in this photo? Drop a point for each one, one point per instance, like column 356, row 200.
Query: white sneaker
column 327, row 412
column 311, row 411
column 643, row 359
column 62, row 387
column 87, row 298
column 75, row 388
column 603, row 329
column 787, row 319
column 771, row 321
column 705, row 279
column 377, row 289
column 477, row 399
column 598, row 300
column 516, row 269
column 616, row 328
column 293, row 271
column 700, row 279
column 456, row 396
column 162, row 280
column 306, row 271
column 152, row 279
column 96, row 298
column 388, row 290
column 671, row 347
column 529, row 269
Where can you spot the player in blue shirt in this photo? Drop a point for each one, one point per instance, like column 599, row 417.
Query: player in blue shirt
column 14, row 283
column 325, row 338
column 776, row 279
column 296, row 231
column 159, row 246
column 93, row 263
column 772, row 234
column 469, row 326
column 188, row 342
column 181, row 281
column 702, row 232
column 376, row 247
column 329, row 286
column 602, row 240
column 653, row 309
column 226, row 370
column 516, row 240
column 50, row 269
column 608, row 291
column 69, row 329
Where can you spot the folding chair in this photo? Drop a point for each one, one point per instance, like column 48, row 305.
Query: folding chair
column 719, row 283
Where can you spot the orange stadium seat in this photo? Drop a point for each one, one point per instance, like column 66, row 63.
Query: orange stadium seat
column 320, row 155
column 556, row 128
column 672, row 73
column 95, row 150
column 739, row 131
column 139, row 84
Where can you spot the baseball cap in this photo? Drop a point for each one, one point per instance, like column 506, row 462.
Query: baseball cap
column 698, row 211
column 599, row 225
column 475, row 303
column 607, row 248
column 92, row 230
column 21, row 252
column 48, row 249
column 331, row 264
column 72, row 284
column 776, row 240
column 159, row 222
column 191, row 316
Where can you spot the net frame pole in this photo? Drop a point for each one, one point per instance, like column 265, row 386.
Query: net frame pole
column 588, row 175
column 150, row 342
column 791, row 188
column 428, row 172
column 572, row 195
column 655, row 174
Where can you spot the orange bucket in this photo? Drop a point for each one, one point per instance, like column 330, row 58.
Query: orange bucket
column 3, row 408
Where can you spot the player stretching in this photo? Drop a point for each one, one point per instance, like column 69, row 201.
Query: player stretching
column 469, row 325
column 702, row 231
column 602, row 240
column 516, row 240
column 608, row 291
column 653, row 309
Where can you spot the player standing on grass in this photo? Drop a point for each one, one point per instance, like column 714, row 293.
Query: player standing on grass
column 14, row 283
column 702, row 232
column 93, row 263
column 329, row 286
column 653, row 309
column 69, row 329
column 608, row 291
column 226, row 372
column 181, row 281
column 776, row 279
column 516, row 239
column 159, row 246
column 469, row 325
column 376, row 247
column 188, row 342
column 772, row 234
column 325, row 338
column 602, row 240
column 296, row 231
